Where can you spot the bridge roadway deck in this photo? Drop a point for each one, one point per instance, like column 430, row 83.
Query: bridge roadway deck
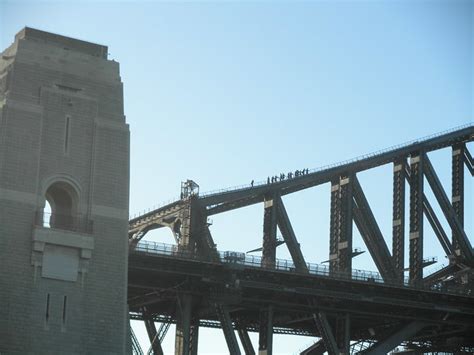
column 159, row 273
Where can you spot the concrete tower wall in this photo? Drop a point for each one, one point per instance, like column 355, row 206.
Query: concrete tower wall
column 63, row 138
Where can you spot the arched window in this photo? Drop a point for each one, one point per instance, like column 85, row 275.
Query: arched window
column 63, row 200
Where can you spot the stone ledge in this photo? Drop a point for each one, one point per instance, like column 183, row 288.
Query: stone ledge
column 42, row 236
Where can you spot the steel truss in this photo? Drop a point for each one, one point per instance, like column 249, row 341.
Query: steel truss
column 204, row 289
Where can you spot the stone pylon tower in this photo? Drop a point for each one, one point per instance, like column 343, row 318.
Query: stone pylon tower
column 64, row 186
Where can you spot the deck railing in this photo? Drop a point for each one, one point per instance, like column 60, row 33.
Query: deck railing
column 241, row 259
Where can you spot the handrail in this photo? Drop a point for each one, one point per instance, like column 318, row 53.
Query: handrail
column 282, row 265
column 314, row 170
column 347, row 161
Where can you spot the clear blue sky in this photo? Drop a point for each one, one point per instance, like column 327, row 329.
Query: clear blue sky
column 227, row 92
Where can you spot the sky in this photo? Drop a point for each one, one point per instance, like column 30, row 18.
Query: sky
column 228, row 92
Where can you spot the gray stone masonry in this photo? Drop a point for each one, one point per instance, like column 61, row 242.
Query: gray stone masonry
column 64, row 143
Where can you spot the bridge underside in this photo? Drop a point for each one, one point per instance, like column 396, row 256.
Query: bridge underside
column 368, row 311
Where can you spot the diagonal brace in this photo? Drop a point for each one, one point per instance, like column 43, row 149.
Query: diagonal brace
column 289, row 236
column 325, row 331
column 388, row 344
column 317, row 348
column 228, row 330
column 370, row 231
column 469, row 161
column 155, row 344
column 437, row 227
column 447, row 209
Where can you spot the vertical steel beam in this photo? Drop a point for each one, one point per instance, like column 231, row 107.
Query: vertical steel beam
column 265, row 335
column 343, row 336
column 340, row 238
column 398, row 226
column 269, row 233
column 457, row 191
column 416, row 219
column 334, row 225
column 345, row 237
column 194, row 337
column 183, row 325
column 289, row 236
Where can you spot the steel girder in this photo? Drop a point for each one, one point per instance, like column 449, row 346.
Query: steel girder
column 468, row 160
column 228, row 330
column 318, row 348
column 448, row 211
column 395, row 339
column 269, row 233
column 324, row 329
column 327, row 175
column 371, row 234
column 289, row 236
column 155, row 344
column 416, row 219
column 457, row 191
column 245, row 339
column 183, row 338
column 340, row 233
column 398, row 224
column 437, row 228
column 265, row 333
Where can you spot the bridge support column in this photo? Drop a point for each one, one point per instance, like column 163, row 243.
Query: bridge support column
column 194, row 336
column 343, row 336
column 183, row 325
column 269, row 233
column 457, row 196
column 416, row 219
column 340, row 242
column 265, row 335
column 398, row 226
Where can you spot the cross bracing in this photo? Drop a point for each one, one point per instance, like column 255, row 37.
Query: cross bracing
column 335, row 302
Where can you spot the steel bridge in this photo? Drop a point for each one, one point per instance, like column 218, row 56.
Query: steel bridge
column 192, row 284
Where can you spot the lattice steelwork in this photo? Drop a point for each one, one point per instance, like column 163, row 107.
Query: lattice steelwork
column 193, row 285
column 416, row 219
column 457, row 191
column 398, row 226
